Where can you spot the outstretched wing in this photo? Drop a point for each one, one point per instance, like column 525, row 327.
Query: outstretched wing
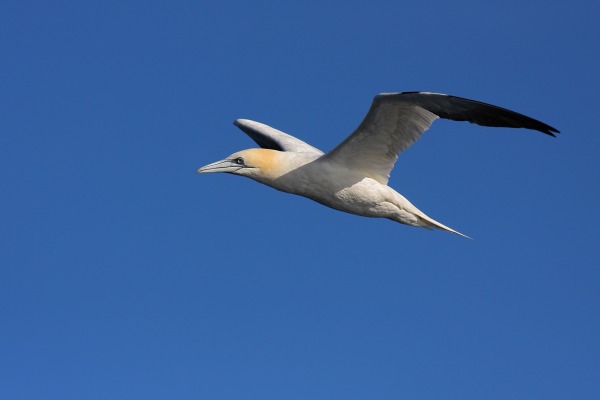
column 396, row 120
column 271, row 138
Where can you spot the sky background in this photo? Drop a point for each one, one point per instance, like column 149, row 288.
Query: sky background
column 125, row 275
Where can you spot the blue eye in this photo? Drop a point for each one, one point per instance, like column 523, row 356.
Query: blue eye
column 239, row 161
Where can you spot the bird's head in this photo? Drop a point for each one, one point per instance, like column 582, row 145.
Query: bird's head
column 258, row 164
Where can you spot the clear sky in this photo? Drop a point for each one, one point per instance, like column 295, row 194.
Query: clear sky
column 125, row 275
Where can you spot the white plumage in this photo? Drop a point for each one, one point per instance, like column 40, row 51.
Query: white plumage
column 353, row 176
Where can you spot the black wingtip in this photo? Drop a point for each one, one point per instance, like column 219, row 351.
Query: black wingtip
column 550, row 131
column 462, row 109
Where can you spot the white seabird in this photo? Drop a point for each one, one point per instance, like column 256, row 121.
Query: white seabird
column 353, row 176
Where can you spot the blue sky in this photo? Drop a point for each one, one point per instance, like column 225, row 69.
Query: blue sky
column 124, row 274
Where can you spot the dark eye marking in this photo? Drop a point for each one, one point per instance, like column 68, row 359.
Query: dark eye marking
column 239, row 161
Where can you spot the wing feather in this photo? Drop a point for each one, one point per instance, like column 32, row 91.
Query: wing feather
column 396, row 120
column 271, row 138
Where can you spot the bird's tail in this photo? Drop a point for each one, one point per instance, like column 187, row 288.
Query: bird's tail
column 430, row 223
column 418, row 217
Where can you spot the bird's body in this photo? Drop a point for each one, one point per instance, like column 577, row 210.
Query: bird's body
column 353, row 177
column 326, row 182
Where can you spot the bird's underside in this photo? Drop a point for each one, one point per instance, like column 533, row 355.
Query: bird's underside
column 353, row 176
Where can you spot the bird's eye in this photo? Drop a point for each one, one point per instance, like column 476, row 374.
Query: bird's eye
column 239, row 161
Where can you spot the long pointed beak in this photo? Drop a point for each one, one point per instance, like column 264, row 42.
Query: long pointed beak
column 220, row 166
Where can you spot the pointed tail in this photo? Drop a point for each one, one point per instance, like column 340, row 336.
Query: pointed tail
column 430, row 223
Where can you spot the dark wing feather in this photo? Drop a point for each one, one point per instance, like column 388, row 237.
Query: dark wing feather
column 396, row 120
column 476, row 112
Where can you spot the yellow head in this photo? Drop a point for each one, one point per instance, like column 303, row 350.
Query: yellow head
column 258, row 164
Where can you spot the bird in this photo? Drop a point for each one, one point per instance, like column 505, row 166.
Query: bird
column 353, row 177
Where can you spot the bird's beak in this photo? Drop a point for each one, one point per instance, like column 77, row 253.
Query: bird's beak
column 220, row 166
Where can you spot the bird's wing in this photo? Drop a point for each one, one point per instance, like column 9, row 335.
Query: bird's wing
column 271, row 138
column 396, row 120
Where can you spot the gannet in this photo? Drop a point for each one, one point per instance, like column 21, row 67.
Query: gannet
column 353, row 177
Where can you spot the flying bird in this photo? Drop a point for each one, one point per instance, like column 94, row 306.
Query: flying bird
column 353, row 177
